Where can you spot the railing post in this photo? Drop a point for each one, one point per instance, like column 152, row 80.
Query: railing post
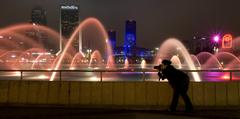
column 230, row 75
column 60, row 75
column 143, row 75
column 101, row 78
column 21, row 76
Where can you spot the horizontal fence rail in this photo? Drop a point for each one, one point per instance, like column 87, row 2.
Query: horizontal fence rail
column 101, row 71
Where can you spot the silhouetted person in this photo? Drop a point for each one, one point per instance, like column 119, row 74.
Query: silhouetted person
column 179, row 81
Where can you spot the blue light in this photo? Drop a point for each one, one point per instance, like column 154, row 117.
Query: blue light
column 130, row 38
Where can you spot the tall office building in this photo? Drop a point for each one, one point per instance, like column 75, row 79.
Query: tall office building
column 130, row 38
column 69, row 20
column 39, row 16
column 199, row 43
column 112, row 38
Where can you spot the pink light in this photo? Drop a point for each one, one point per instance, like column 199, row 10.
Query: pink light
column 216, row 38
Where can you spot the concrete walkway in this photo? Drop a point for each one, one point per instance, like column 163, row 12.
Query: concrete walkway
column 98, row 113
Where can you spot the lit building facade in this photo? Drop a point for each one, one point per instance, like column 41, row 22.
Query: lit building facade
column 38, row 18
column 112, row 38
column 130, row 38
column 69, row 20
column 129, row 50
column 200, row 43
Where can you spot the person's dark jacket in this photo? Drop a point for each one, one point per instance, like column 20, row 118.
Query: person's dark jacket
column 176, row 78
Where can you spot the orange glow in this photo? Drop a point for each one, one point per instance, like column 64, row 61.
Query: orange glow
column 225, row 77
column 227, row 41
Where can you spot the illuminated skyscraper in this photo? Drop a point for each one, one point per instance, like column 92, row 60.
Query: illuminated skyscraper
column 112, row 38
column 69, row 20
column 130, row 38
column 38, row 16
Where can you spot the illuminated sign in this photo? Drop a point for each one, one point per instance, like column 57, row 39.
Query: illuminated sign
column 70, row 7
column 227, row 41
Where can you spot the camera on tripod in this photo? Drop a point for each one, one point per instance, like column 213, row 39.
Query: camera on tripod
column 159, row 68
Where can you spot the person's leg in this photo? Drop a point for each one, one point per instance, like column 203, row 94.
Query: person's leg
column 187, row 101
column 175, row 98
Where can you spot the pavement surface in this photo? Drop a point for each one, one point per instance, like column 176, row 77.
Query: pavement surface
column 7, row 112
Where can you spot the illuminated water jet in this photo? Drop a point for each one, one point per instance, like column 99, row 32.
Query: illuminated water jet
column 126, row 63
column 170, row 47
column 143, row 64
column 75, row 33
column 20, row 51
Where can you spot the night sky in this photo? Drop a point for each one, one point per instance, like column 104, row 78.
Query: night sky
column 156, row 19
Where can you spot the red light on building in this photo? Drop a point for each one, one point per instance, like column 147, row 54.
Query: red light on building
column 227, row 41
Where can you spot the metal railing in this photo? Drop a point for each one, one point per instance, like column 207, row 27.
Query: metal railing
column 229, row 71
column 101, row 71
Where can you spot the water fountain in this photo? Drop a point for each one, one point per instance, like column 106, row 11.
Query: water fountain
column 126, row 63
column 143, row 64
column 20, row 51
column 172, row 46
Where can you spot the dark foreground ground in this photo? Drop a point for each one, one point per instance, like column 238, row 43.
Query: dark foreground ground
column 7, row 112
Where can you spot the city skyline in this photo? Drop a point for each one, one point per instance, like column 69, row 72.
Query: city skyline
column 156, row 20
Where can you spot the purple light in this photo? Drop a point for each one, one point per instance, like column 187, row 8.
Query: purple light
column 216, row 38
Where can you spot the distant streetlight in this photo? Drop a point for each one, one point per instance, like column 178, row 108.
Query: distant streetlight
column 216, row 38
